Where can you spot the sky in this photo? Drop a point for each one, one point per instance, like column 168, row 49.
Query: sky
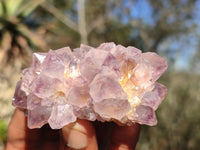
column 183, row 47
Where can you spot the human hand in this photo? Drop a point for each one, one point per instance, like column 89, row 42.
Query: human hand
column 78, row 135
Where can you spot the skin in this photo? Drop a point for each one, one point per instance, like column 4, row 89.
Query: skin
column 82, row 135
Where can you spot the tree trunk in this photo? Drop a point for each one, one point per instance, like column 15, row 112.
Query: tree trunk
column 82, row 22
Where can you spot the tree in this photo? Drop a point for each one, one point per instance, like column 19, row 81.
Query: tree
column 178, row 116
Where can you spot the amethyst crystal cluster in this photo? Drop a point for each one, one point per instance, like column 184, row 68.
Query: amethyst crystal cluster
column 107, row 83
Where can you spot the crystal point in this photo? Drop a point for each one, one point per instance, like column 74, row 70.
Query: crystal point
column 61, row 115
column 106, row 86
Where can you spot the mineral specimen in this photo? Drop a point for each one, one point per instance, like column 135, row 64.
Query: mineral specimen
column 107, row 83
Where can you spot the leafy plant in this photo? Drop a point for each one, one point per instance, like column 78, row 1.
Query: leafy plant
column 16, row 38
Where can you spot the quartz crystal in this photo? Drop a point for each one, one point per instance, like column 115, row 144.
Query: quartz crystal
column 107, row 83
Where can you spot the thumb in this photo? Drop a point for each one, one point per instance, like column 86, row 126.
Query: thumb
column 78, row 135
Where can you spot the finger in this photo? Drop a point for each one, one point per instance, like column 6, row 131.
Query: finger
column 103, row 133
column 19, row 136
column 124, row 137
column 79, row 135
column 49, row 139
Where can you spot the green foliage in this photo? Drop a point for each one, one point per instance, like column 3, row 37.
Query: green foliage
column 3, row 131
column 22, row 8
column 16, row 37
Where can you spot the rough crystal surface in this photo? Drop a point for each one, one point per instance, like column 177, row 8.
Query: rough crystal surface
column 107, row 83
column 61, row 115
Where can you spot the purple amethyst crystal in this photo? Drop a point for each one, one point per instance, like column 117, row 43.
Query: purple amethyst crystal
column 107, row 83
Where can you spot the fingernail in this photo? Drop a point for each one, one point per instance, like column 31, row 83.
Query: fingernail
column 77, row 138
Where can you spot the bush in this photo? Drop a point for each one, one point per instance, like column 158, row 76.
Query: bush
column 3, row 131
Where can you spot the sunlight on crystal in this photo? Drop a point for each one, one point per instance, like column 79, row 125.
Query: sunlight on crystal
column 123, row 80
column 131, row 90
column 40, row 57
column 134, row 101
column 71, row 72
column 141, row 74
column 129, row 75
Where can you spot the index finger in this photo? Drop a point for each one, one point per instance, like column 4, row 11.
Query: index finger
column 19, row 136
column 124, row 137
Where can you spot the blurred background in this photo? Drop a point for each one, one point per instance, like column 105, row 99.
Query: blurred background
column 171, row 28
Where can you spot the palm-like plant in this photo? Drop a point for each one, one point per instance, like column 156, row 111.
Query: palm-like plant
column 16, row 39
